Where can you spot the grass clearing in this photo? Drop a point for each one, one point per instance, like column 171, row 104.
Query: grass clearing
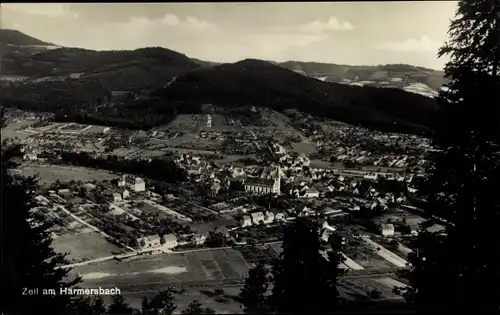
column 85, row 246
column 304, row 147
column 49, row 174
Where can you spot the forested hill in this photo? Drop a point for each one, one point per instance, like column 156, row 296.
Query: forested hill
column 13, row 37
column 260, row 83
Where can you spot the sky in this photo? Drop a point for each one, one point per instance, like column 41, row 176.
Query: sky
column 354, row 33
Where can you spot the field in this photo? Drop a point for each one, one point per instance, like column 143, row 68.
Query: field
column 363, row 287
column 260, row 253
column 148, row 271
column 304, row 147
column 11, row 130
column 366, row 257
column 85, row 246
column 51, row 173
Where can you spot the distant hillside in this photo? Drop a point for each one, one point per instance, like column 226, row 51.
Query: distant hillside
column 260, row 83
column 345, row 93
column 377, row 75
column 152, row 67
column 116, row 70
column 13, row 37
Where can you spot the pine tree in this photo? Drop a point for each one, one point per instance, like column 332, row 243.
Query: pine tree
column 119, row 306
column 98, row 306
column 253, row 294
column 27, row 258
column 458, row 269
column 304, row 280
column 195, row 308
column 163, row 303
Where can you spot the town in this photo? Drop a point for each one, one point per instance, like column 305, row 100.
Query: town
column 198, row 202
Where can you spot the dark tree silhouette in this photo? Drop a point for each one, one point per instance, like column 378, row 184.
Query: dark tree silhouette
column 98, row 306
column 302, row 265
column 448, row 268
column 254, row 293
column 119, row 306
column 27, row 258
column 215, row 239
column 87, row 306
column 195, row 308
column 163, row 303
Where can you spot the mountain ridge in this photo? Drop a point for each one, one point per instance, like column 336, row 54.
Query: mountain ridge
column 182, row 83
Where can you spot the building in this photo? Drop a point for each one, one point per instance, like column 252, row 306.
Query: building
column 122, row 181
column 64, row 193
column 199, row 239
column 280, row 217
column 30, row 157
column 387, row 229
column 89, row 186
column 264, row 185
column 138, row 184
column 311, row 193
column 246, row 221
column 257, row 217
column 125, row 193
column 258, row 185
column 116, row 197
column 169, row 241
column 215, row 188
column 268, row 217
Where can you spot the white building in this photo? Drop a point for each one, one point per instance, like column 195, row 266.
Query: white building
column 122, row 181
column 311, row 193
column 30, row 157
column 268, row 217
column 372, row 176
column 199, row 239
column 169, row 241
column 125, row 193
column 246, row 221
column 116, row 197
column 279, row 217
column 257, row 217
column 387, row 229
column 64, row 193
column 138, row 185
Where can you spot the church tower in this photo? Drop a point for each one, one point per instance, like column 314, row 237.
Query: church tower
column 277, row 181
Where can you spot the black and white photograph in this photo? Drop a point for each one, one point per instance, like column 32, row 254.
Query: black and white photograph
column 250, row 157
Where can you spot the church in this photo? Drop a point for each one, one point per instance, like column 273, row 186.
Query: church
column 264, row 186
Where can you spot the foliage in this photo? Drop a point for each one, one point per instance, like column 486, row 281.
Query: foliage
column 253, row 294
column 163, row 303
column 161, row 169
column 28, row 259
column 87, row 306
column 255, row 82
column 215, row 239
column 119, row 306
column 195, row 308
column 302, row 264
column 448, row 268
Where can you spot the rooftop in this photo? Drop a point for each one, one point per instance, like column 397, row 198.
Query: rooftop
column 259, row 181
